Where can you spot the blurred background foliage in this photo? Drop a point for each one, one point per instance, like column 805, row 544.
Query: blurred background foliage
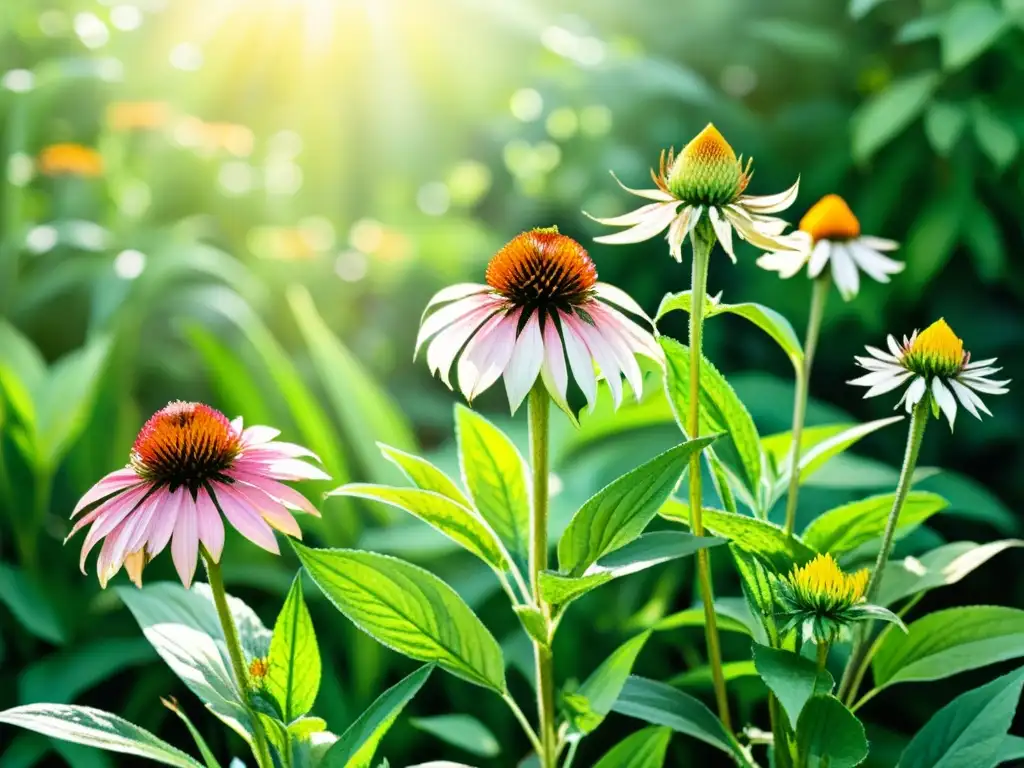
column 248, row 202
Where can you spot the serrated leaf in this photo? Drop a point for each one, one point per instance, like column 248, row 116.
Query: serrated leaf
column 845, row 528
column 761, row 537
column 885, row 115
column 969, row 29
column 601, row 690
column 969, row 731
column 720, row 411
column 791, row 677
column 425, row 475
column 409, row 610
column 95, row 728
column 829, row 734
column 458, row 523
column 944, row 125
column 461, row 731
column 356, row 747
column 620, row 511
column 495, row 476
column 758, row 592
column 948, row 642
column 293, row 675
column 643, row 749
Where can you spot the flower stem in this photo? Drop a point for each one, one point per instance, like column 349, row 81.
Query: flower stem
column 915, row 436
column 539, row 410
column 822, row 656
column 819, row 295
column 702, row 245
column 259, row 746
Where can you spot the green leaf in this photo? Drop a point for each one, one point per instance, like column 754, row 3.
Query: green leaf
column 701, row 677
column 643, row 749
column 236, row 390
column 293, row 675
column 847, row 527
column 882, row 117
column 756, row 581
column 30, row 604
column 944, row 125
column 661, row 704
column 455, row 521
column 828, row 734
column 861, row 8
column 364, row 408
column 940, row 567
column 1011, row 749
column 495, row 476
column 601, row 690
column 933, row 236
column 995, row 136
column 95, row 728
column 646, row 551
column 461, row 731
column 791, row 677
column 969, row 29
column 535, row 623
column 409, row 610
column 197, row 737
column 765, row 539
column 694, row 617
column 720, row 411
column 620, row 511
column 765, row 318
column 356, row 747
column 984, row 239
column 425, row 475
column 948, row 642
column 968, row 732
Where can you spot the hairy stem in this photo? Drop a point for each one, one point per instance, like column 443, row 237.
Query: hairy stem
column 539, row 410
column 220, row 599
column 819, row 295
column 703, row 241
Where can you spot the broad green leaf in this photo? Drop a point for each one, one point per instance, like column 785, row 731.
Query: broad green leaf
column 95, row 728
column 425, row 475
column 995, row 136
column 1011, row 749
column 197, row 737
column 694, row 617
column 364, row 408
column 22, row 372
column 860, row 8
column 594, row 699
column 847, row 527
column 356, row 747
column 701, row 677
column 620, row 511
column 765, row 539
column 948, row 642
column 30, row 605
column 829, row 734
column 661, row 704
column 720, row 411
column 934, row 234
column 944, row 125
column 235, row 388
column 792, row 678
column 765, row 318
column 758, row 591
column 969, row 29
column 643, row 749
column 938, row 568
column 455, row 521
column 882, row 117
column 409, row 610
column 970, row 499
column 969, row 732
column 461, row 731
column 984, row 240
column 293, row 675
column 495, row 476
column 646, row 551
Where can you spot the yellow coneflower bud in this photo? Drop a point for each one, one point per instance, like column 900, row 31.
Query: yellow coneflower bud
column 936, row 351
column 822, row 584
column 707, row 171
column 70, row 159
column 830, row 219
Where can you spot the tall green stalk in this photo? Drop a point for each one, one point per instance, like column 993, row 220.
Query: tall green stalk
column 259, row 739
column 918, row 421
column 819, row 295
column 703, row 242
column 539, row 411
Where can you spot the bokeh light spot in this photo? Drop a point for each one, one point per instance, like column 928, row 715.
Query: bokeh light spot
column 433, row 198
column 526, row 104
column 129, row 264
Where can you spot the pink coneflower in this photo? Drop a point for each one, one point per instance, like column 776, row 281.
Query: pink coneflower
column 188, row 465
column 541, row 306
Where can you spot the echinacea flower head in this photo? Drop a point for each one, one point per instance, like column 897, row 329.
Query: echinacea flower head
column 704, row 182
column 542, row 312
column 188, row 467
column 70, row 160
column 936, row 365
column 822, row 600
column 830, row 234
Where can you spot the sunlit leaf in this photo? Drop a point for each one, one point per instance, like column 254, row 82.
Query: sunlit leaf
column 791, row 677
column 829, row 734
column 969, row 29
column 293, row 674
column 425, row 475
column 643, row 749
column 592, row 702
column 847, row 527
column 882, row 117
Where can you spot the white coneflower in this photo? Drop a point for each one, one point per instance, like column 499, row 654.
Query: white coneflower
column 935, row 364
column 707, row 180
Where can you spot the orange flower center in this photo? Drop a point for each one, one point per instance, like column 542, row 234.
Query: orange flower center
column 258, row 669
column 830, row 219
column 542, row 268
column 185, row 444
column 73, row 159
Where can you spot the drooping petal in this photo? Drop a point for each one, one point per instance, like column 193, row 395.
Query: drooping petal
column 677, row 232
column 876, row 352
column 945, row 399
column 872, row 263
column 120, row 480
column 525, row 364
column 273, row 511
column 487, row 354
column 113, row 515
column 293, row 469
column 652, row 225
column 722, row 230
column 650, row 194
column 819, row 258
column 640, row 340
column 888, row 384
column 771, row 203
column 620, row 298
column 913, row 394
column 879, row 243
column 968, row 399
column 209, row 526
column 445, row 347
column 580, row 362
column 258, row 435
column 980, row 364
column 623, row 352
column 185, row 544
column 984, row 385
column 286, row 495
column 844, row 272
column 600, row 352
column 554, row 372
column 275, row 452
column 166, row 517
column 754, row 232
column 245, row 519
column 628, row 219
column 454, row 293
column 445, row 316
column 134, row 563
column 786, row 263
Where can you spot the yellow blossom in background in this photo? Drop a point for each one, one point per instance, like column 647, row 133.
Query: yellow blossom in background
column 70, row 159
column 138, row 115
